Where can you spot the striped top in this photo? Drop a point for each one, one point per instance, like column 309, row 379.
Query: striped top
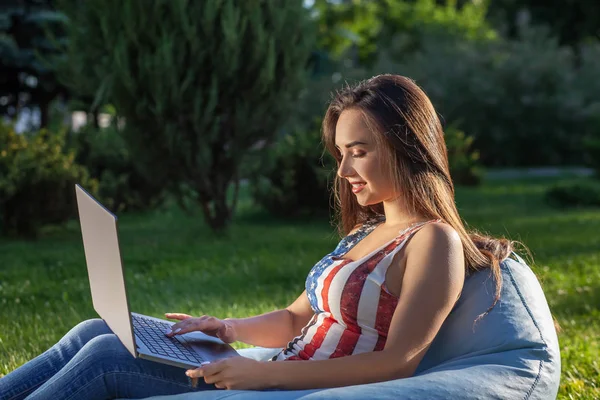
column 353, row 309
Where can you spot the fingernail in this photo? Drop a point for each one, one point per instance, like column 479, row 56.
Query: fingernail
column 177, row 330
column 168, row 332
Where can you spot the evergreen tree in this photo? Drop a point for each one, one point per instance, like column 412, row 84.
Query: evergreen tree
column 26, row 79
column 199, row 83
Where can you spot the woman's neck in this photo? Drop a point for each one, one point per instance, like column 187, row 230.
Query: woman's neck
column 398, row 214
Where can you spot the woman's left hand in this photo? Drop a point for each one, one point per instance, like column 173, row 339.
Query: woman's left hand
column 240, row 373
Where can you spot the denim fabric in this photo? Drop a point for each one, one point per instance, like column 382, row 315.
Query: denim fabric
column 90, row 363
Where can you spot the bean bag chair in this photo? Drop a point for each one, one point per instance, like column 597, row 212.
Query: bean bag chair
column 511, row 353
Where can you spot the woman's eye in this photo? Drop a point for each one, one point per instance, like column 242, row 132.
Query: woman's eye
column 358, row 155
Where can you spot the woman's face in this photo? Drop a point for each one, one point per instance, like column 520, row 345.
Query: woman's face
column 361, row 160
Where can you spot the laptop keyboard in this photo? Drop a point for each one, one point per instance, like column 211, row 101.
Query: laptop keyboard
column 152, row 334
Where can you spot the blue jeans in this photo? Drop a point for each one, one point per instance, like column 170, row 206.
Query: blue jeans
column 90, row 362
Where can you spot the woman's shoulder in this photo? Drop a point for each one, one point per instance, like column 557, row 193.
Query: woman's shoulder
column 436, row 236
column 438, row 230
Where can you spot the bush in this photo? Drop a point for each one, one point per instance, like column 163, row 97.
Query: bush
column 592, row 150
column 37, row 178
column 588, row 82
column 465, row 167
column 591, row 142
column 578, row 194
column 522, row 100
column 121, row 186
column 591, row 145
column 293, row 181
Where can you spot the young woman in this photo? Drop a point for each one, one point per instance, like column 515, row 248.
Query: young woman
column 371, row 308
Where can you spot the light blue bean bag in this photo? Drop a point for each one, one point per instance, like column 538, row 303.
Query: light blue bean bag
column 512, row 353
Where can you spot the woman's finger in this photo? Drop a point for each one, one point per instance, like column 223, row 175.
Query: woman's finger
column 185, row 327
column 212, row 379
column 178, row 316
column 206, row 324
column 198, row 372
column 177, row 328
column 173, row 330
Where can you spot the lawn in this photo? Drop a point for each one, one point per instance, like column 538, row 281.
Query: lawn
column 175, row 264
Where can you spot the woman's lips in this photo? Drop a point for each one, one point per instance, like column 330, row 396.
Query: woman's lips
column 357, row 187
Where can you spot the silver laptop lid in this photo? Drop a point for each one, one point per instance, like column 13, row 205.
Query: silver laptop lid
column 105, row 271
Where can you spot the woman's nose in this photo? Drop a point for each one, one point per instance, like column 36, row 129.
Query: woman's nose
column 345, row 169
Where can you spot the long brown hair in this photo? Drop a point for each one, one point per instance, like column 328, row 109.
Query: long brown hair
column 406, row 124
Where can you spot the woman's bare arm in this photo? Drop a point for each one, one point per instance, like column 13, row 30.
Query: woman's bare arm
column 276, row 328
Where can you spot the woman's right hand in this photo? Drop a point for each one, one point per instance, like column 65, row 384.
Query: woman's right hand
column 211, row 326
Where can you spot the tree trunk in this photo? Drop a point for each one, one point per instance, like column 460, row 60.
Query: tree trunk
column 217, row 212
column 44, row 114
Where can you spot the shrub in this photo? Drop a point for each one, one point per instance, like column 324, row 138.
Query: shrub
column 588, row 83
column 294, row 180
column 121, row 186
column 578, row 194
column 591, row 145
column 592, row 150
column 465, row 167
column 521, row 100
column 37, row 178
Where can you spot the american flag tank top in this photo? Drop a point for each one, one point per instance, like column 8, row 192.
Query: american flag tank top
column 353, row 309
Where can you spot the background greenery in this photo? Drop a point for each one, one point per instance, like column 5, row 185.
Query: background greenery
column 202, row 95
column 198, row 83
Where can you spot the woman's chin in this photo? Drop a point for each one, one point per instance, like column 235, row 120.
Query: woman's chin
column 364, row 201
column 369, row 201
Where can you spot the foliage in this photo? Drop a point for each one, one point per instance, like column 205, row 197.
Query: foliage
column 575, row 194
column 198, row 83
column 526, row 101
column 591, row 145
column 120, row 185
column 592, row 149
column 26, row 79
column 588, row 83
column 572, row 25
column 37, row 179
column 465, row 167
column 364, row 27
column 295, row 180
column 522, row 100
column 263, row 262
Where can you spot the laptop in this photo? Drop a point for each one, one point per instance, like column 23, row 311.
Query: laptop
column 143, row 336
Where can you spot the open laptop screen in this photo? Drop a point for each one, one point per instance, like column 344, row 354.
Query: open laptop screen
column 105, row 269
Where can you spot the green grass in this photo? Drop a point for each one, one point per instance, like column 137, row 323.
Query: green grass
column 175, row 264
